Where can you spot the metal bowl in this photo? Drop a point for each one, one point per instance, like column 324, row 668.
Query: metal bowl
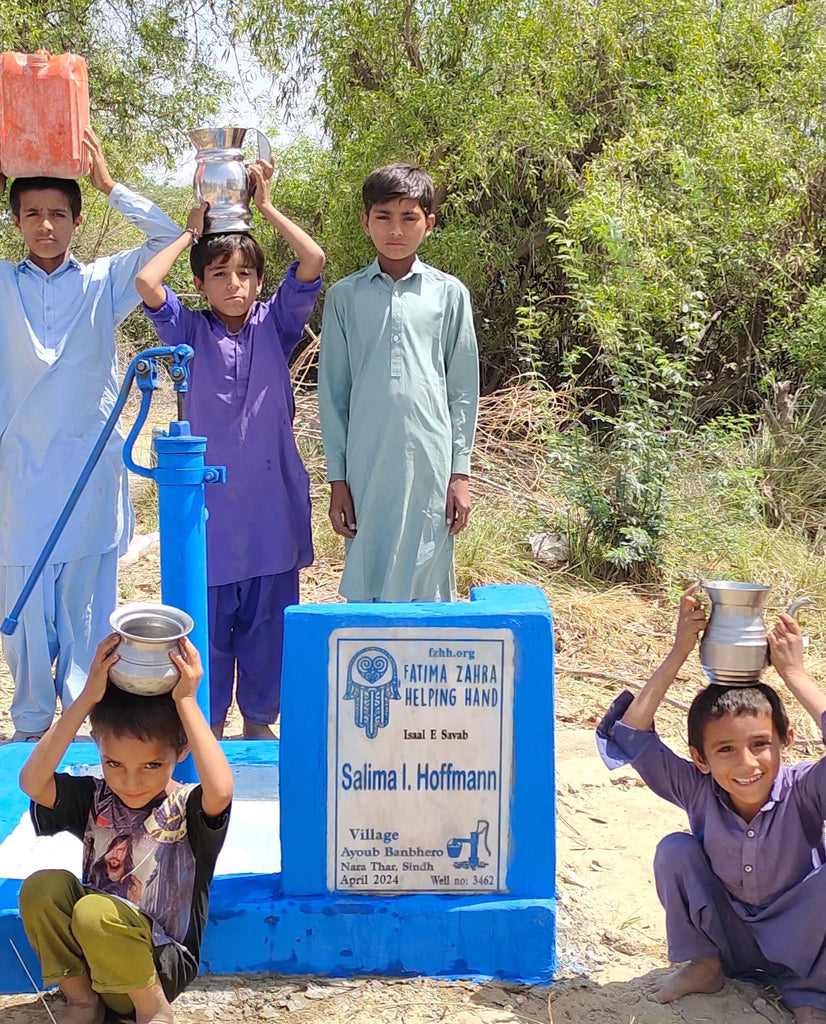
column 148, row 633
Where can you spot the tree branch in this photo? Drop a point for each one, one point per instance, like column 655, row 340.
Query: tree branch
column 410, row 47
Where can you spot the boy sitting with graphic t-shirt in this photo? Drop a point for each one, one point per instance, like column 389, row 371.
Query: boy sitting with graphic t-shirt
column 146, row 839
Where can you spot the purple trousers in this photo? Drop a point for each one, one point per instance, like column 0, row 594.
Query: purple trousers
column 246, row 636
column 703, row 920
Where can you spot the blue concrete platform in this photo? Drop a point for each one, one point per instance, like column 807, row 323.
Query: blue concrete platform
column 253, row 926
column 295, row 921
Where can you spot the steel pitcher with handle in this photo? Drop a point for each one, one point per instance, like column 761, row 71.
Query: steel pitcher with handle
column 222, row 180
column 734, row 649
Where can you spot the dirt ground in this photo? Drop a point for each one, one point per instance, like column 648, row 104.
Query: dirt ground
column 610, row 941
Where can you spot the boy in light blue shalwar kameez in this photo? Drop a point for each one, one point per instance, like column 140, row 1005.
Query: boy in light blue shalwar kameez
column 398, row 397
column 58, row 384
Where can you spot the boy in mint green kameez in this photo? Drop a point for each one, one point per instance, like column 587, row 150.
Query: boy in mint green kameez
column 398, row 396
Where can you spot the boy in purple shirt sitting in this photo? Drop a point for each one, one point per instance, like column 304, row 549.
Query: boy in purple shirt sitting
column 745, row 892
column 240, row 397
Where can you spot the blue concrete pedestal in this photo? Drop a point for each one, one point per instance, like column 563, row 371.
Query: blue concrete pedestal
column 397, row 936
column 508, row 934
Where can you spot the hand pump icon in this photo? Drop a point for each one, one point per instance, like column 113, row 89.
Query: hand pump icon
column 454, row 847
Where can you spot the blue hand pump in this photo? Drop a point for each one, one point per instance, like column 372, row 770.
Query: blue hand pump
column 180, row 475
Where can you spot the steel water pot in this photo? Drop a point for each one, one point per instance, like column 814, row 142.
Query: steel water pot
column 148, row 633
column 734, row 649
column 222, row 180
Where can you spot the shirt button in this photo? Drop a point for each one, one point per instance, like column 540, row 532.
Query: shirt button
column 750, row 833
column 747, row 868
column 396, row 337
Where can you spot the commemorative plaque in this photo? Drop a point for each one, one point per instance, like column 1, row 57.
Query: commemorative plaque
column 419, row 759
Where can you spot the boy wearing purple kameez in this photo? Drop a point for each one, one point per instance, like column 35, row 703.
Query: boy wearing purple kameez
column 745, row 892
column 240, row 397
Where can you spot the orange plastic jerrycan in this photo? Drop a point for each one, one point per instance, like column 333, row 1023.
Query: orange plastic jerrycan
column 44, row 109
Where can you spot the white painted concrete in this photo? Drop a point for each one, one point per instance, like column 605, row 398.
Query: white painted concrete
column 22, row 852
column 253, row 845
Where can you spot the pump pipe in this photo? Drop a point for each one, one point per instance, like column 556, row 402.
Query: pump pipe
column 181, row 476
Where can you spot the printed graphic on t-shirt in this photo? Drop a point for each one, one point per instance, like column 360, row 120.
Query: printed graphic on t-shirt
column 143, row 856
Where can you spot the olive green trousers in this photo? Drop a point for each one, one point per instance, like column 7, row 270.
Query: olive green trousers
column 75, row 930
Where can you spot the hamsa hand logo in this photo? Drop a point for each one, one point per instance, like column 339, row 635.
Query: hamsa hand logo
column 372, row 682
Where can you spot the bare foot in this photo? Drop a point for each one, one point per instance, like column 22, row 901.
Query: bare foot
column 76, row 1014
column 83, row 1005
column 809, row 1015
column 257, row 731
column 701, row 975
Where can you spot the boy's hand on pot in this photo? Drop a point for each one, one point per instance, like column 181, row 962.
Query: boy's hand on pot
column 187, row 660
column 691, row 620
column 342, row 512
column 98, row 679
column 262, row 194
column 195, row 218
column 457, row 510
column 267, row 166
column 786, row 644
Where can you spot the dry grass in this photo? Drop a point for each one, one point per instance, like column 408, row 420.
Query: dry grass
column 513, row 431
column 620, row 633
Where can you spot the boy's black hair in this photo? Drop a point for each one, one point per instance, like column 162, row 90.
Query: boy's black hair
column 67, row 186
column 715, row 701
column 219, row 248
column 398, row 181
column 145, row 718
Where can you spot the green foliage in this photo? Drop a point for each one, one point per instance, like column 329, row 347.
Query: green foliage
column 617, row 494
column 647, row 174
column 531, row 325
column 792, row 456
column 715, row 518
column 633, row 192
column 803, row 337
column 494, row 547
column 716, row 524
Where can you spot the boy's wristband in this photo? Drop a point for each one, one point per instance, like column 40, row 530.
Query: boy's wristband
column 195, row 234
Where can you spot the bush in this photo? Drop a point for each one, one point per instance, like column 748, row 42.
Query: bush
column 793, row 459
column 618, row 492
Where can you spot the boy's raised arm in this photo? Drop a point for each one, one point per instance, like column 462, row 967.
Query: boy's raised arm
column 37, row 776
column 149, row 279
column 311, row 258
column 691, row 622
column 786, row 649
column 213, row 769
column 142, row 213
